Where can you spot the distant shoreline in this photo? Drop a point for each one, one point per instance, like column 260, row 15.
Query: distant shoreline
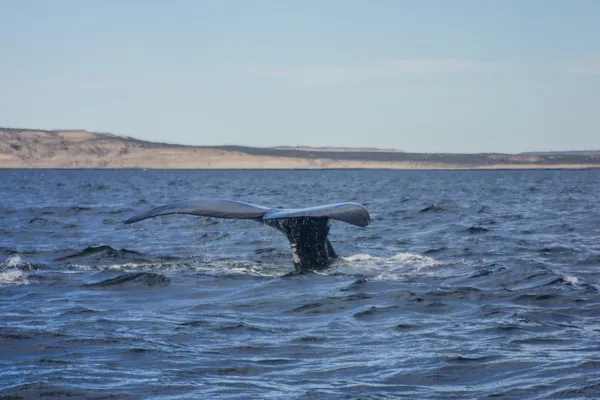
column 492, row 168
column 80, row 149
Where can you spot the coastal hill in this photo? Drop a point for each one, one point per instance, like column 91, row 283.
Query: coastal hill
column 29, row 148
column 338, row 149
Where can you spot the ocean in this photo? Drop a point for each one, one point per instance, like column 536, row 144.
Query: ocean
column 466, row 284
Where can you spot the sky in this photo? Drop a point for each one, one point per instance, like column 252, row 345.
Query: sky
column 459, row 76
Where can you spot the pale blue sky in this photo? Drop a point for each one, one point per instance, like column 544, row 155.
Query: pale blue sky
column 420, row 75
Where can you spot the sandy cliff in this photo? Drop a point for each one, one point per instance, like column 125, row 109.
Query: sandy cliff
column 25, row 148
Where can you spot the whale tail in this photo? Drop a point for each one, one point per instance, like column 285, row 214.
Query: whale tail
column 307, row 229
column 311, row 250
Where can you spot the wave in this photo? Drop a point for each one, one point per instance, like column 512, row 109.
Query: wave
column 396, row 267
column 132, row 281
column 99, row 253
column 416, row 261
column 106, row 258
column 434, row 208
column 476, row 229
column 13, row 277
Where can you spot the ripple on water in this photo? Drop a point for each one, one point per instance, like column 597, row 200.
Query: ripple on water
column 467, row 284
column 131, row 281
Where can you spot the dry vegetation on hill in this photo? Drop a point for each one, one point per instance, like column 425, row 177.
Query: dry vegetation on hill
column 26, row 148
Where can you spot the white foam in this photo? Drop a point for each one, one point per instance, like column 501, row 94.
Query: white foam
column 13, row 277
column 118, row 267
column 395, row 267
column 219, row 267
column 572, row 280
column 406, row 259
column 256, row 271
column 13, row 261
column 362, row 257
column 416, row 260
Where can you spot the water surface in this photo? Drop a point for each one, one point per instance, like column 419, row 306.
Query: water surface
column 467, row 284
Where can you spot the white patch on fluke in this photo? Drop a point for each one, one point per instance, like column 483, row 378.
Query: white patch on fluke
column 295, row 253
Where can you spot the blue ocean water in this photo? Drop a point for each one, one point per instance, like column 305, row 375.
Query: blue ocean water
column 467, row 284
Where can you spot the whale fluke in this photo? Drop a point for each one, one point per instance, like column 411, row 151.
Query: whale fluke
column 206, row 208
column 306, row 228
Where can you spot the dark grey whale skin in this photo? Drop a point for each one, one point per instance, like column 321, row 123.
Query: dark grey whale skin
column 307, row 229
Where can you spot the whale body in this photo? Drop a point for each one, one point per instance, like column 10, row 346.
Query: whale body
column 307, row 229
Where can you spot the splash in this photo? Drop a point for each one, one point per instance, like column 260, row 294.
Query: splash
column 395, row 267
column 571, row 280
column 256, row 270
column 362, row 257
column 215, row 268
column 415, row 261
column 13, row 277
column 13, row 261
